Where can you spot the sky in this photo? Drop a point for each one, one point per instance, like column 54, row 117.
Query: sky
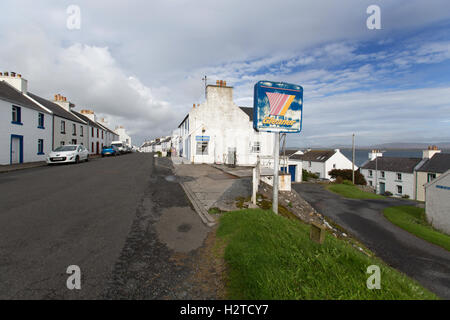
column 140, row 64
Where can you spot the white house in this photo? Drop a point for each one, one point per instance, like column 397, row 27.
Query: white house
column 393, row 174
column 435, row 164
column 67, row 127
column 123, row 136
column 437, row 202
column 321, row 162
column 218, row 131
column 25, row 125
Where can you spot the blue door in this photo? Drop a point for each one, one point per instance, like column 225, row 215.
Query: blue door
column 292, row 171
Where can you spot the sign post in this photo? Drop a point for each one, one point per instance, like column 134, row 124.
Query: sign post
column 277, row 108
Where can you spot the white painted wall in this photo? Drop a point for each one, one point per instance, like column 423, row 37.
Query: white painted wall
column 67, row 137
column 29, row 130
column 123, row 136
column 391, row 182
column 437, row 205
column 227, row 127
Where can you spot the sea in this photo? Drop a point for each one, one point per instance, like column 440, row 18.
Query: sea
column 361, row 155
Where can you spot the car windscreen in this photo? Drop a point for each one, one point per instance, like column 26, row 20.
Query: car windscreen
column 66, row 148
column 117, row 144
column 107, row 147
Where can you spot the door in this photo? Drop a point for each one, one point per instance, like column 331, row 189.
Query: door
column 382, row 187
column 16, row 149
column 98, row 146
column 292, row 169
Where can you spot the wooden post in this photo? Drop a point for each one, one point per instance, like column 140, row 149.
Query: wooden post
column 317, row 233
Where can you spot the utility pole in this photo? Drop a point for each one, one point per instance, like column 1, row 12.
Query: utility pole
column 276, row 156
column 205, row 79
column 353, row 159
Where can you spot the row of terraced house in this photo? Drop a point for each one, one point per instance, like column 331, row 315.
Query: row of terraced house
column 32, row 126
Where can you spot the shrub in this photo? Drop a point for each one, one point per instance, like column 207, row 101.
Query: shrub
column 339, row 180
column 306, row 175
column 405, row 196
column 347, row 182
column 346, row 174
column 387, row 193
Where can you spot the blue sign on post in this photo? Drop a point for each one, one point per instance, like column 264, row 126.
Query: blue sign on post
column 277, row 107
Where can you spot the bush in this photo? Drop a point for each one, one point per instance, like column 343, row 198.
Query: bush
column 346, row 174
column 387, row 193
column 405, row 196
column 306, row 175
column 339, row 180
column 347, row 182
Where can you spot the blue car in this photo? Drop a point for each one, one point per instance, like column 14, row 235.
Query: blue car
column 110, row 151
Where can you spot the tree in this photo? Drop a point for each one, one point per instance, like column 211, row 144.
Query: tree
column 346, row 174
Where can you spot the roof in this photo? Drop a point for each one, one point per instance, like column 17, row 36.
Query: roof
column 288, row 152
column 56, row 109
column 439, row 163
column 89, row 121
column 183, row 120
column 395, row 164
column 11, row 94
column 315, row 155
column 248, row 111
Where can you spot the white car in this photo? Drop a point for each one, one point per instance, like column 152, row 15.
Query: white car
column 68, row 153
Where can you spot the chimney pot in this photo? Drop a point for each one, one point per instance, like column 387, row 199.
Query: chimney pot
column 224, row 83
column 6, row 73
column 19, row 75
column 13, row 74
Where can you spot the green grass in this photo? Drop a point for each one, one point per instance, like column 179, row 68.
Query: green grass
column 350, row 191
column 413, row 220
column 271, row 257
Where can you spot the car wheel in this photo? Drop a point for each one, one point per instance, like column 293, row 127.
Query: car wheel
column 77, row 159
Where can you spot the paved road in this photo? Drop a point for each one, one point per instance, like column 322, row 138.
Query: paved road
column 130, row 230
column 425, row 262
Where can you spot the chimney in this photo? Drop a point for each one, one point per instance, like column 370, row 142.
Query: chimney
column 375, row 154
column 18, row 82
column 62, row 101
column 90, row 114
column 430, row 152
column 219, row 91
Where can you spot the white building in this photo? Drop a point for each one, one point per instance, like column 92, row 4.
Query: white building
column 393, row 174
column 25, row 125
column 321, row 162
column 437, row 203
column 67, row 127
column 123, row 136
column 218, row 131
column 435, row 164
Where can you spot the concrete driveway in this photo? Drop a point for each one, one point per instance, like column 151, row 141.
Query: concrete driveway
column 423, row 261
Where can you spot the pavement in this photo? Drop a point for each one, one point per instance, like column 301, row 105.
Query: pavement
column 427, row 263
column 127, row 225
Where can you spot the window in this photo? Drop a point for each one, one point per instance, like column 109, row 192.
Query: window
column 255, row 148
column 399, row 176
column 431, row 177
column 92, row 132
column 399, row 189
column 97, row 132
column 62, row 143
column 202, row 148
column 41, row 121
column 16, row 115
column 334, row 165
column 74, row 141
column 40, row 146
column 309, row 164
column 74, row 129
column 382, row 174
column 81, row 131
column 370, row 173
column 63, row 127
column 370, row 183
column 102, row 134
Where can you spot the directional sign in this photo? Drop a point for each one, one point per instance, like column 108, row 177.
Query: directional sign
column 277, row 107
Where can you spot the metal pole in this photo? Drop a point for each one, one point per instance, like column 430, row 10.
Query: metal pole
column 353, row 159
column 376, row 173
column 276, row 156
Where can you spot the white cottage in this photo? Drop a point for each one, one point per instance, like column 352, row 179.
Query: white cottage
column 25, row 125
column 219, row 131
column 437, row 203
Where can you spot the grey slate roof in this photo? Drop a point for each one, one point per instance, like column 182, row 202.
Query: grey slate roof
column 315, row 155
column 439, row 163
column 248, row 111
column 56, row 109
column 11, row 94
column 86, row 119
column 394, row 164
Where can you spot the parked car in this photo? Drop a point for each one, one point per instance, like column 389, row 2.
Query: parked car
column 110, row 151
column 73, row 153
column 120, row 145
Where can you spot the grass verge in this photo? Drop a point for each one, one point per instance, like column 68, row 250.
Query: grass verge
column 351, row 191
column 271, row 257
column 413, row 220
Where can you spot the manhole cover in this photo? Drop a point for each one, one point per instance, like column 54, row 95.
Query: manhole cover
column 184, row 227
